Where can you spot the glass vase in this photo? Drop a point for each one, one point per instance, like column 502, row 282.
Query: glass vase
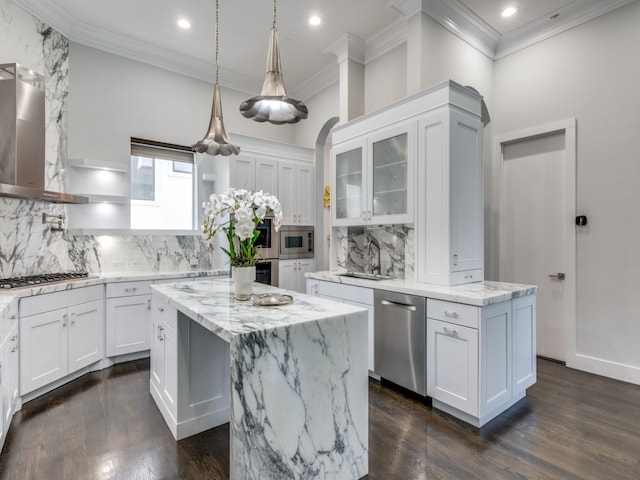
column 243, row 278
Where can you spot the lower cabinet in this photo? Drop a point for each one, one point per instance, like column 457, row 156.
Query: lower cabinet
column 353, row 295
column 55, row 341
column 128, row 305
column 291, row 273
column 189, row 371
column 480, row 360
column 9, row 376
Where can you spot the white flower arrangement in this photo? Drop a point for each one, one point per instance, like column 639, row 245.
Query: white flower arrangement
column 237, row 212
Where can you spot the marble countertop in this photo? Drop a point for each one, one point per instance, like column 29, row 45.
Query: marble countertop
column 478, row 293
column 5, row 300
column 100, row 279
column 211, row 303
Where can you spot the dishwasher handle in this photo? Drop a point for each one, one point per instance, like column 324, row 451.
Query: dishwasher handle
column 406, row 306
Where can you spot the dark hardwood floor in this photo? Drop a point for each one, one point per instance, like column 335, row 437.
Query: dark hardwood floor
column 572, row 425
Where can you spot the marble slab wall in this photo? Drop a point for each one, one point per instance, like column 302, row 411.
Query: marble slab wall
column 27, row 246
column 397, row 257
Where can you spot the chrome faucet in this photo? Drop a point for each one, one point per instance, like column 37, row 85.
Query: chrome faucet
column 373, row 267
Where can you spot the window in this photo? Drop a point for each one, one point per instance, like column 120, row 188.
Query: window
column 162, row 186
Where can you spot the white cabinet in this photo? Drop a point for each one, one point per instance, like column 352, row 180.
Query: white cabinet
column 449, row 239
column 480, row 360
column 60, row 333
column 128, row 306
column 291, row 273
column 9, row 368
column 296, row 193
column 373, row 176
column 164, row 353
column 358, row 296
column 189, row 372
column 254, row 173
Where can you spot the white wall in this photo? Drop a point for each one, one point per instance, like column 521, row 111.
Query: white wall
column 385, row 79
column 112, row 99
column 592, row 73
column 322, row 107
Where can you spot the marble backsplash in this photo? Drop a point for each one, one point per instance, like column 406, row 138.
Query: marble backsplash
column 29, row 247
column 396, row 249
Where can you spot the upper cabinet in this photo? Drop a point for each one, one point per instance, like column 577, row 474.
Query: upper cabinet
column 282, row 170
column 373, row 181
column 418, row 162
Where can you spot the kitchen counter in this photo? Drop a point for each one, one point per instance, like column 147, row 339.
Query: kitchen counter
column 103, row 278
column 299, row 389
column 478, row 293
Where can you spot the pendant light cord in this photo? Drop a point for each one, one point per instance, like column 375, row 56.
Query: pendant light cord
column 274, row 15
column 217, row 28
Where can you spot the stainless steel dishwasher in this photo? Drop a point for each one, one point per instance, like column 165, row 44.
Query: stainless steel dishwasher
column 400, row 339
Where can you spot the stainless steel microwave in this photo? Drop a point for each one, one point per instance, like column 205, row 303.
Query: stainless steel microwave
column 296, row 242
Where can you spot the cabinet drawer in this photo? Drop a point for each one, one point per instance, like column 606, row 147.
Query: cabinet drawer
column 53, row 301
column 126, row 289
column 467, row 276
column 346, row 292
column 457, row 313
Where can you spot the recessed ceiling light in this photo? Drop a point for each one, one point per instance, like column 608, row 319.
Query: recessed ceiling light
column 507, row 12
column 315, row 20
column 184, row 23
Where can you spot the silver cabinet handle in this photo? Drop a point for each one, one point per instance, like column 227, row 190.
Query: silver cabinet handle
column 455, row 260
column 149, row 304
column 14, row 347
column 13, row 317
column 451, row 332
column 160, row 336
column 160, row 309
column 389, row 303
column 559, row 276
column 449, row 314
column 73, row 318
column 132, row 289
column 65, row 317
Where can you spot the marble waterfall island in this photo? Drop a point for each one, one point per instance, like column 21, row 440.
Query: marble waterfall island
column 292, row 380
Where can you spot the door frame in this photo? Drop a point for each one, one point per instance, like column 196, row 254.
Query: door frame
column 568, row 127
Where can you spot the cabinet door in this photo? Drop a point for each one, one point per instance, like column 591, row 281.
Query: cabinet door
column 371, row 331
column 170, row 358
column 495, row 360
column 43, row 349
column 157, row 353
column 127, row 322
column 287, row 275
column 86, row 334
column 266, row 176
column 390, row 176
column 466, row 192
column 303, row 266
column 305, row 195
column 452, row 365
column 9, row 377
column 348, row 179
column 287, row 192
column 524, row 343
column 242, row 172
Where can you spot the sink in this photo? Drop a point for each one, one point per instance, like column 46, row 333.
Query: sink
column 366, row 276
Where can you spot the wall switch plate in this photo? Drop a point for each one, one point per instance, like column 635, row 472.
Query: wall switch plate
column 193, row 262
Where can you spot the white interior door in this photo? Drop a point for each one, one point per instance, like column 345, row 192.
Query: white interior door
column 537, row 243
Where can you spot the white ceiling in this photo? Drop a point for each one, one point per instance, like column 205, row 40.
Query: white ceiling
column 146, row 30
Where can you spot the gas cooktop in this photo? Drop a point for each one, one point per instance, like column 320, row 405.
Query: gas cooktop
column 33, row 280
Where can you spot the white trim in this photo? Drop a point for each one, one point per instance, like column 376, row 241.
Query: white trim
column 567, row 126
column 394, row 35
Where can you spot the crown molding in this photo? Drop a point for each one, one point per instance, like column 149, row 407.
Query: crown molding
column 48, row 12
column 394, row 35
column 317, row 83
column 348, row 46
column 569, row 17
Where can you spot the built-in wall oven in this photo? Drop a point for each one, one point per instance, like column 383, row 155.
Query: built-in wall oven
column 267, row 272
column 296, row 242
column 268, row 244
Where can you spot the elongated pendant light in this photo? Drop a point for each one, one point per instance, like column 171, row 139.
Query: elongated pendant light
column 216, row 142
column 273, row 105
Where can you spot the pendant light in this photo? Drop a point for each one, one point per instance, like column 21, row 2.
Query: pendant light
column 216, row 142
column 273, row 105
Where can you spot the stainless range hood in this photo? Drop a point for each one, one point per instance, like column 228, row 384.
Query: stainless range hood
column 22, row 137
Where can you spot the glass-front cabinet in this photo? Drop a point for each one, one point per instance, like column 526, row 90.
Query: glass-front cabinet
column 373, row 178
